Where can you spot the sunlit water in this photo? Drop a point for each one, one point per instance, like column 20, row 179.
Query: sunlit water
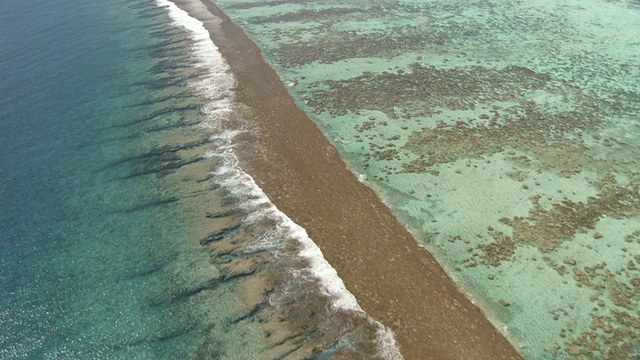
column 126, row 229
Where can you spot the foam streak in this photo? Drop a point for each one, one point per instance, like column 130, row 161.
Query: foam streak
column 218, row 87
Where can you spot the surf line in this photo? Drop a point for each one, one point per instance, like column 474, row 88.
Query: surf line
column 218, row 88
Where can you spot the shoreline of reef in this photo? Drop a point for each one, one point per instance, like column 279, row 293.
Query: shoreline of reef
column 394, row 280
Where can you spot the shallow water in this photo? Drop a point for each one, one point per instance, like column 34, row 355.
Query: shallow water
column 503, row 134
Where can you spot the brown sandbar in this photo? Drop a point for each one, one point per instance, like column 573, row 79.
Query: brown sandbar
column 394, row 280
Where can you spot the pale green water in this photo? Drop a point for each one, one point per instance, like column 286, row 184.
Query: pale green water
column 503, row 134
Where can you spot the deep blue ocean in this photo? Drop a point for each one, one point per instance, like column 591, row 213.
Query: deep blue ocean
column 84, row 245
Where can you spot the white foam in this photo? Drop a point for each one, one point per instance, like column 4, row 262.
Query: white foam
column 218, row 87
column 287, row 230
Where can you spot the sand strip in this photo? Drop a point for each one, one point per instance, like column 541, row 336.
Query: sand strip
column 393, row 279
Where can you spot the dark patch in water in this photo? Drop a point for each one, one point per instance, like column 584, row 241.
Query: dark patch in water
column 159, row 113
column 221, row 233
